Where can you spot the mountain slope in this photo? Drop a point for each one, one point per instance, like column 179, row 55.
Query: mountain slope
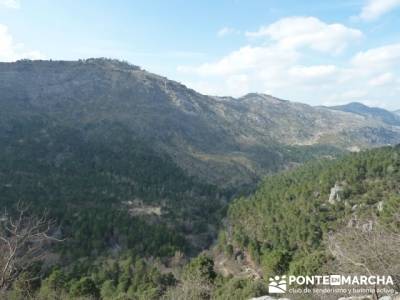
column 139, row 170
column 104, row 181
column 101, row 134
column 284, row 226
column 371, row 112
column 222, row 140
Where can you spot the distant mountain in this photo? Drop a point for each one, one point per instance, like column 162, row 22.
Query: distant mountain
column 370, row 112
column 397, row 112
column 220, row 139
column 133, row 165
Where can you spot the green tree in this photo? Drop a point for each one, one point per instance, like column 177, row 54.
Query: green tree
column 85, row 287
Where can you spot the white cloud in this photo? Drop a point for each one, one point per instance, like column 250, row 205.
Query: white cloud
column 383, row 79
column 377, row 58
column 10, row 3
column 350, row 95
column 298, row 32
column 224, row 31
column 313, row 72
column 9, row 51
column 245, row 59
column 294, row 63
column 251, row 68
column 377, row 8
column 273, row 65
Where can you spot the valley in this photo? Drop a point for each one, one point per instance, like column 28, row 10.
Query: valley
column 159, row 192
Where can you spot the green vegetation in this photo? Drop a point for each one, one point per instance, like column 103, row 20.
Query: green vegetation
column 127, row 277
column 138, row 174
column 85, row 179
column 200, row 281
column 87, row 182
column 283, row 225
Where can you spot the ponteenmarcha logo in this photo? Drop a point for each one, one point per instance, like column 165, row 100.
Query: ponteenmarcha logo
column 280, row 284
column 277, row 285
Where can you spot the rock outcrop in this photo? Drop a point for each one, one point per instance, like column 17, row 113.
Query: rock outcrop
column 335, row 195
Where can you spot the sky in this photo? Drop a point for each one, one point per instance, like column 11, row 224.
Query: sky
column 320, row 52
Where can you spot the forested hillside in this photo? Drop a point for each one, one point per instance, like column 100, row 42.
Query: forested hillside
column 285, row 225
column 222, row 140
column 113, row 181
column 113, row 199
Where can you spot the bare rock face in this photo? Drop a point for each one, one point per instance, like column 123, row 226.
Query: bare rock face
column 379, row 206
column 363, row 225
column 334, row 196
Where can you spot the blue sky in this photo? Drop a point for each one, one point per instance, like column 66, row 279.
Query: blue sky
column 318, row 52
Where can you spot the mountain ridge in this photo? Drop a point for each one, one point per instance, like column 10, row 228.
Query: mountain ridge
column 386, row 116
column 140, row 174
column 222, row 139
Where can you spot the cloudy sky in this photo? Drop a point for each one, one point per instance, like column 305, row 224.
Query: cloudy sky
column 318, row 52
